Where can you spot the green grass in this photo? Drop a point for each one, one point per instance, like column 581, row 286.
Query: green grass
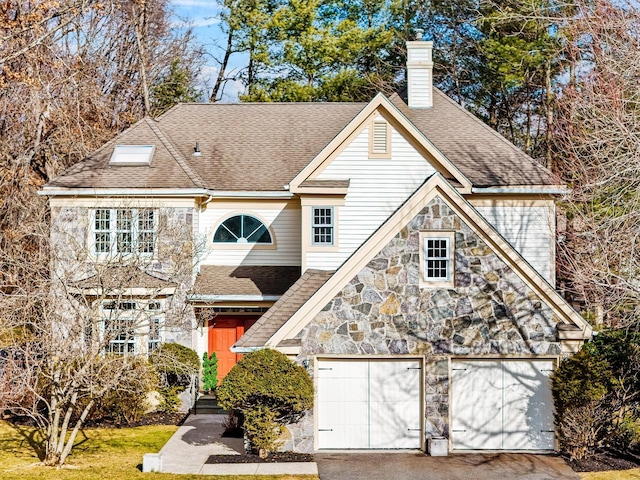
column 633, row 474
column 105, row 454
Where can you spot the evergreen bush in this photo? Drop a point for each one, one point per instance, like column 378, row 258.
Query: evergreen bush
column 597, row 395
column 270, row 391
column 209, row 372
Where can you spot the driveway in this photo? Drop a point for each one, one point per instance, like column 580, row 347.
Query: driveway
column 416, row 465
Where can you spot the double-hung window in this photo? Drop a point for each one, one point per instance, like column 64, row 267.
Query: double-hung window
column 124, row 231
column 120, row 328
column 322, row 227
column 437, row 257
column 131, row 327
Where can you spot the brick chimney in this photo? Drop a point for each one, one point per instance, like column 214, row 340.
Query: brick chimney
column 419, row 73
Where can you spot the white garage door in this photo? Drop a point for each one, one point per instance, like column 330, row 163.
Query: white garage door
column 502, row 405
column 369, row 404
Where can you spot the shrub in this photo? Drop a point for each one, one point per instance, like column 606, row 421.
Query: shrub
column 169, row 400
column 209, row 372
column 596, row 394
column 128, row 403
column 175, row 364
column 270, row 391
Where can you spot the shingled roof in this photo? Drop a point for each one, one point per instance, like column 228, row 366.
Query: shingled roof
column 245, row 280
column 263, row 146
column 281, row 311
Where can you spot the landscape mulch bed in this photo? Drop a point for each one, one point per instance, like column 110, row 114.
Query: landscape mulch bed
column 279, row 457
column 603, row 461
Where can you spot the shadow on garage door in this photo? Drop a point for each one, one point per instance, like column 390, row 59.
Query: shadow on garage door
column 376, row 465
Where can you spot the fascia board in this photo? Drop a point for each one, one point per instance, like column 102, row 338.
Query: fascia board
column 436, row 185
column 358, row 123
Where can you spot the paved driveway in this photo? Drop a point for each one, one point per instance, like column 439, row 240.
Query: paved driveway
column 415, row 465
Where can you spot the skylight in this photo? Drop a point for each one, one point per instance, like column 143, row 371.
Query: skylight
column 132, row 155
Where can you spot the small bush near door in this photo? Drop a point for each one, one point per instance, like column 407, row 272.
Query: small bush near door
column 596, row 394
column 209, row 372
column 270, row 391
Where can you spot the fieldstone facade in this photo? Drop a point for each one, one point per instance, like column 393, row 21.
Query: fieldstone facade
column 74, row 264
column 383, row 310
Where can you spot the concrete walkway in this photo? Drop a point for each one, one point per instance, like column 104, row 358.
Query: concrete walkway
column 201, row 436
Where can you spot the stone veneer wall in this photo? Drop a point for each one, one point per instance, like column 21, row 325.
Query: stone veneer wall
column 72, row 260
column 384, row 311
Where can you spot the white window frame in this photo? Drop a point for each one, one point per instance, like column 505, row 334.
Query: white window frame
column 448, row 258
column 318, row 227
column 146, row 331
column 113, row 232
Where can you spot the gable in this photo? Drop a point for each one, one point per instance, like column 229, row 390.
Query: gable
column 436, row 186
column 385, row 310
column 406, row 144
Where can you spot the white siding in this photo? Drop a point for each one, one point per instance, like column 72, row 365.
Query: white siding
column 530, row 229
column 378, row 187
column 282, row 219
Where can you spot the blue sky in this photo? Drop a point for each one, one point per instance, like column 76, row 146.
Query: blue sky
column 204, row 17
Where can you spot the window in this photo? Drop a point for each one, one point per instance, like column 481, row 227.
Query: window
column 437, row 258
column 322, row 225
column 380, row 139
column 120, row 327
column 124, row 231
column 131, row 155
column 131, row 327
column 242, row 229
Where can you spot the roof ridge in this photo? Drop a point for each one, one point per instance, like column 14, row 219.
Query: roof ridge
column 175, row 153
column 493, row 132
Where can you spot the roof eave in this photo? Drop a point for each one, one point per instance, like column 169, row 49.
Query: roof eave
column 523, row 189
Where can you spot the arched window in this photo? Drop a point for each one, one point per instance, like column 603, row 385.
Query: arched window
column 242, row 229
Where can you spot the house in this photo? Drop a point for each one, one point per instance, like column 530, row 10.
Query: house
column 403, row 252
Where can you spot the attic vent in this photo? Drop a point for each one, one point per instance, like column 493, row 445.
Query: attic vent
column 132, row 155
column 379, row 144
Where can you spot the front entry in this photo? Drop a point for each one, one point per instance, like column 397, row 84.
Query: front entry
column 224, row 331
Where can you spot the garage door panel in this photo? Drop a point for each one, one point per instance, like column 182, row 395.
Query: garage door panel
column 528, row 405
column 340, row 421
column 476, row 424
column 502, row 405
column 395, row 404
column 369, row 404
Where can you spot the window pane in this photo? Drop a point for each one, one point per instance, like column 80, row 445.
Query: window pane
column 242, row 229
column 322, row 225
column 437, row 261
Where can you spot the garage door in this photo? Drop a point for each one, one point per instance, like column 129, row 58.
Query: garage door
column 502, row 405
column 369, row 404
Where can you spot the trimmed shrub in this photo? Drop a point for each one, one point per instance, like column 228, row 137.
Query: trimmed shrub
column 175, row 364
column 597, row 395
column 270, row 391
column 209, row 372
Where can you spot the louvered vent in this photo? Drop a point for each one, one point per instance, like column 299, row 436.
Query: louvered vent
column 380, row 138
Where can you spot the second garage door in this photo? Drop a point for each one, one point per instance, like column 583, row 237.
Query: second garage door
column 369, row 404
column 502, row 405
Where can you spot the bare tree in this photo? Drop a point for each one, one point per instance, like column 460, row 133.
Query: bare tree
column 75, row 335
column 598, row 153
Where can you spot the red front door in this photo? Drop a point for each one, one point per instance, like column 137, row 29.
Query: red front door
column 224, row 331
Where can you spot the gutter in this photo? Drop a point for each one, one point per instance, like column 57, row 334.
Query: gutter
column 534, row 189
column 232, row 298
column 245, row 349
column 164, row 192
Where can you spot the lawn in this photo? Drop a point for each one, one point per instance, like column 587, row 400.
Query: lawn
column 633, row 474
column 104, row 453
